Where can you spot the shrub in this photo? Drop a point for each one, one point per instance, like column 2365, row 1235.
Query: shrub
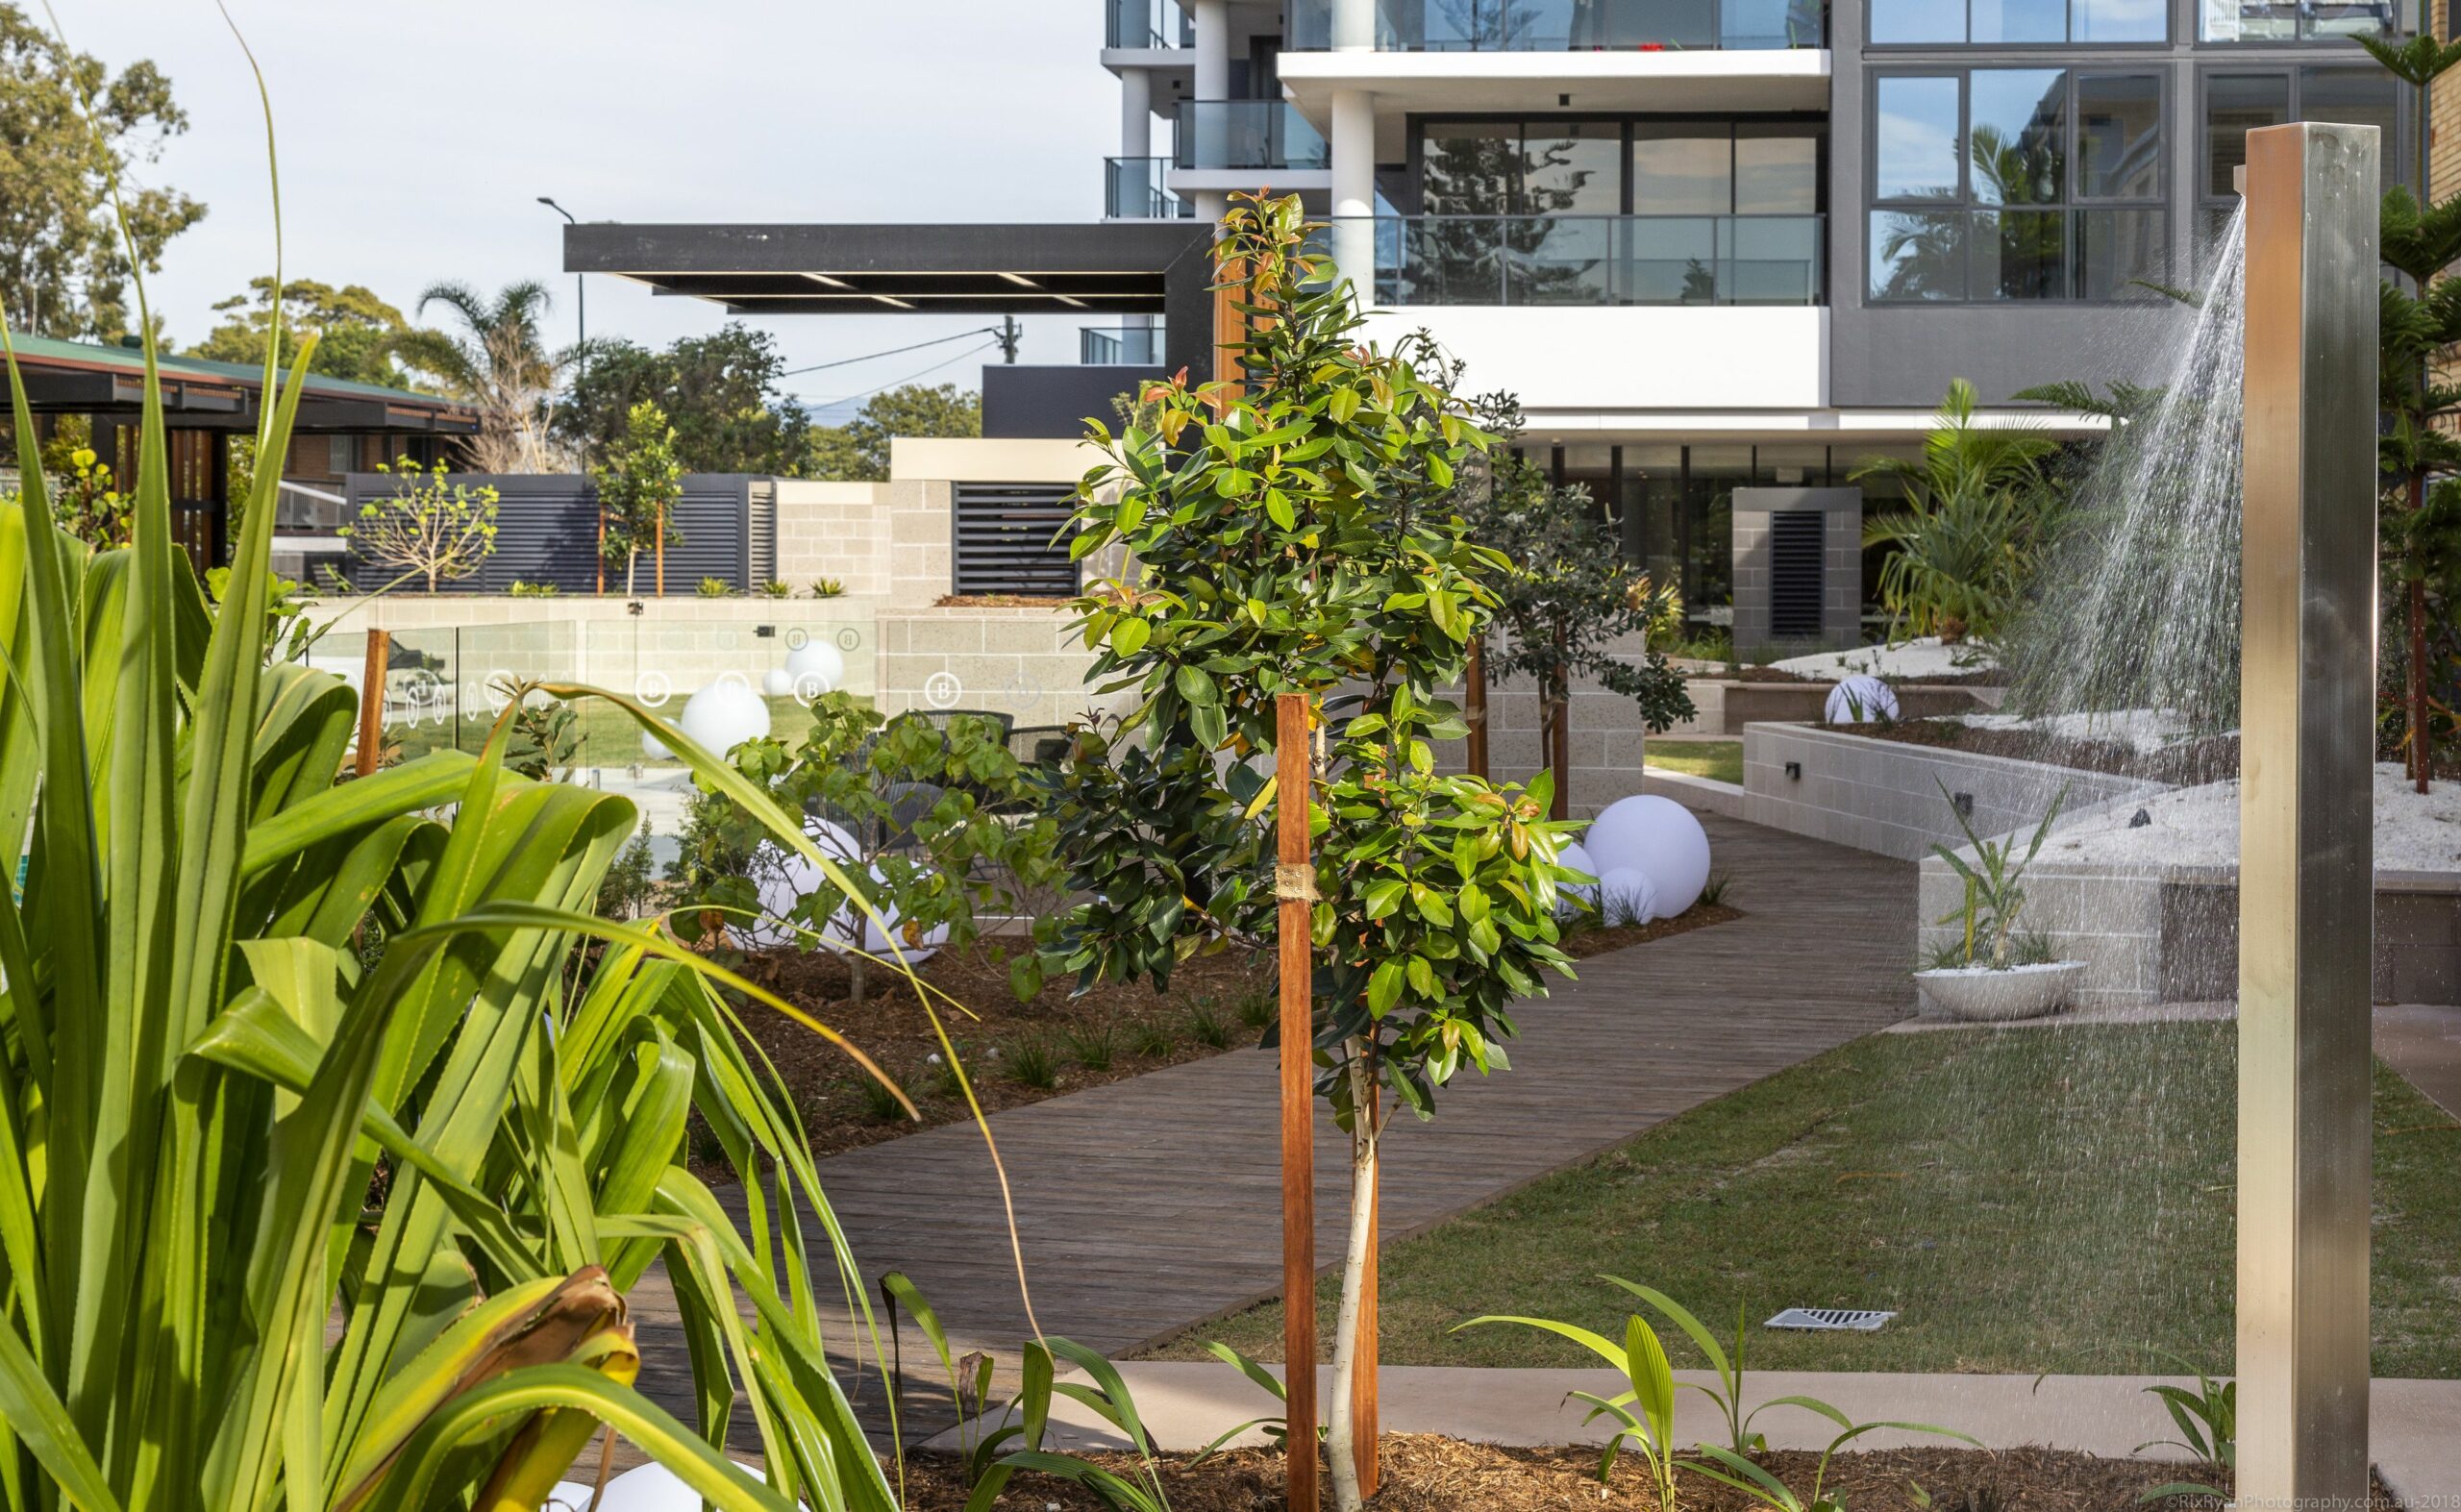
column 827, row 588
column 713, row 588
column 1032, row 1062
column 1091, row 1046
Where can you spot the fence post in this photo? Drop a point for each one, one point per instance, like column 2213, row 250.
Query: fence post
column 371, row 700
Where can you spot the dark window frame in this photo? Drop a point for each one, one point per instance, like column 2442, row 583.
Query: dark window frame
column 1812, row 124
column 2070, row 43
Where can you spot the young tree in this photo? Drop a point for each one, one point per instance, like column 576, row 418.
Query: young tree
column 354, row 330
column 858, row 450
column 1293, row 537
column 430, row 527
column 499, row 363
column 63, row 266
column 1572, row 598
column 719, row 391
column 2417, row 454
column 638, row 485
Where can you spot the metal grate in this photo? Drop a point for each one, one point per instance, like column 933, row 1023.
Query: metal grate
column 1830, row 1318
column 1012, row 538
column 1795, row 547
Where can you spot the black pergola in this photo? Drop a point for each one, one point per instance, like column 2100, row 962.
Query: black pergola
column 1110, row 267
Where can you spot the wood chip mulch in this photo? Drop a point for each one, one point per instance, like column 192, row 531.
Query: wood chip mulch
column 1424, row 1472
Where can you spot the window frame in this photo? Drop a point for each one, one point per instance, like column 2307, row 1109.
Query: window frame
column 1814, row 126
column 2398, row 151
column 2404, row 27
column 2071, row 205
column 2069, row 43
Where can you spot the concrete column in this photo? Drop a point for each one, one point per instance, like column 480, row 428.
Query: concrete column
column 1353, row 148
column 1212, row 49
column 1136, row 114
column 1354, row 25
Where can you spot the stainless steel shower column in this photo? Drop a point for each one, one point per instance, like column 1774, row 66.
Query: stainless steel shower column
column 2306, row 859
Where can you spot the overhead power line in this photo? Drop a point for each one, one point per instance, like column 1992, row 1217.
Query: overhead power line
column 898, row 383
column 848, row 361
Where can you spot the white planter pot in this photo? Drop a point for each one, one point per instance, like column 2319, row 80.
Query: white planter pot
column 1980, row 994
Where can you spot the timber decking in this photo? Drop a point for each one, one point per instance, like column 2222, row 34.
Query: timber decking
column 1154, row 1202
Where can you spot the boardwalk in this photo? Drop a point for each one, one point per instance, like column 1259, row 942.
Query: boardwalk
column 1154, row 1202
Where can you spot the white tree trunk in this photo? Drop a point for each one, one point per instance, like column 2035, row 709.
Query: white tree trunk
column 1341, row 1436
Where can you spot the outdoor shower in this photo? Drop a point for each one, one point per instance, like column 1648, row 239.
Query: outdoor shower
column 2306, row 860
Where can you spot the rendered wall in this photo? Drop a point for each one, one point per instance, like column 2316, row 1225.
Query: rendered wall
column 1633, row 357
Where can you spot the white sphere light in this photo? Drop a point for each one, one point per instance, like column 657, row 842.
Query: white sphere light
column 1626, row 895
column 814, row 668
column 1576, row 856
column 644, row 1488
column 778, row 683
column 788, row 878
column 724, row 715
column 1658, row 837
column 1860, row 700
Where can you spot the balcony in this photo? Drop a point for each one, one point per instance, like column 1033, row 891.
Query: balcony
column 1560, row 26
column 1133, row 189
column 1120, row 346
column 1601, row 261
column 1247, row 134
column 1146, row 25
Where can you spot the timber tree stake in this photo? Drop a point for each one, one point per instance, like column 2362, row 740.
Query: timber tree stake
column 371, row 700
column 1294, row 890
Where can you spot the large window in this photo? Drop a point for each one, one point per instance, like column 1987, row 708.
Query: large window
column 2002, row 183
column 1999, row 23
column 2304, row 21
column 2237, row 100
column 1662, row 166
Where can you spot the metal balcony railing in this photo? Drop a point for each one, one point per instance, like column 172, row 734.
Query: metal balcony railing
column 1120, row 346
column 1558, row 26
column 1247, row 134
column 1147, row 24
column 1601, row 259
column 1132, row 189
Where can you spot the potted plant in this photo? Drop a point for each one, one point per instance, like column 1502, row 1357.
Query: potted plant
column 1992, row 971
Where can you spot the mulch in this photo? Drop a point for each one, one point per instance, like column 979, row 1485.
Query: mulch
column 1424, row 1472
column 2189, row 763
column 1000, row 601
column 1586, row 943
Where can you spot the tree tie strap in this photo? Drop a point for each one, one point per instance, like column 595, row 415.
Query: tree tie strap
column 1294, row 881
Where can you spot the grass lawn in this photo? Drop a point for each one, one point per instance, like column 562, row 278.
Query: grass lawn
column 609, row 736
column 2026, row 1200
column 1720, row 761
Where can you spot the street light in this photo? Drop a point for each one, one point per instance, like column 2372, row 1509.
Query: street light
column 581, row 288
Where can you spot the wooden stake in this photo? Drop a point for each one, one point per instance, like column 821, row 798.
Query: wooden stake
column 602, row 553
column 1363, row 1368
column 661, row 551
column 371, row 700
column 1293, row 771
column 1474, row 706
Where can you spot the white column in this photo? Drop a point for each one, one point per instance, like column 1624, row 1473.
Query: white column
column 1353, row 148
column 1136, row 114
column 1213, row 82
column 1354, row 25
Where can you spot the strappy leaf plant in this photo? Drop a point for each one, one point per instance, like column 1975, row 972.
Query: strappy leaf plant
column 328, row 1152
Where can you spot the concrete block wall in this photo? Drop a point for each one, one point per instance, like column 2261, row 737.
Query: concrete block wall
column 1841, row 566
column 1607, row 737
column 1884, row 795
column 922, row 548
column 834, row 530
column 1023, row 662
column 2110, row 918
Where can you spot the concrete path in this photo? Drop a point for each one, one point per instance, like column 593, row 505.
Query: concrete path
column 2423, row 1042
column 2415, row 1429
column 1154, row 1202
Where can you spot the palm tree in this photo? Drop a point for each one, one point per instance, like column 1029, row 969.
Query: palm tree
column 1978, row 510
column 497, row 363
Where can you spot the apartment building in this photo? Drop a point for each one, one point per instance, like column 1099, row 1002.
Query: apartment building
column 1723, row 250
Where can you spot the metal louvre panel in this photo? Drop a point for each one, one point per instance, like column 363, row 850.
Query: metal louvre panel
column 763, row 518
column 1796, row 579
column 1012, row 538
column 547, row 531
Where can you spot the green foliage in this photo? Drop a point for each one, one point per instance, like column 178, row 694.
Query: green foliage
column 2207, row 1419
column 1207, row 1026
column 72, row 129
column 1277, row 1428
column 499, row 363
column 1034, row 1062
column 827, row 588
column 1091, row 1046
column 1106, row 1394
column 775, row 589
column 544, row 740
column 857, row 451
column 1255, row 1007
column 631, row 887
column 1152, row 1040
column 1642, row 1360
column 1736, row 1471
column 639, row 484
column 522, row 589
column 713, row 588
column 720, row 392
column 1979, row 512
column 355, row 330
column 1994, row 894
column 1574, row 595
column 428, row 527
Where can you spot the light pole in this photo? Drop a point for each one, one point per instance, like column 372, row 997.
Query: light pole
column 580, row 290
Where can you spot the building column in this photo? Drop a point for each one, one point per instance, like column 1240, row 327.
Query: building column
column 1353, row 148
column 1213, row 82
column 1136, row 114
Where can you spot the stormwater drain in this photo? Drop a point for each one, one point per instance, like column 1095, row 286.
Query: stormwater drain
column 1859, row 1320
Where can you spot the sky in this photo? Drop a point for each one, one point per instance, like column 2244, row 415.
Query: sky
column 414, row 139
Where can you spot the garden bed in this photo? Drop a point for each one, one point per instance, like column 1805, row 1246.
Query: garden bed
column 1426, row 1472
column 2184, row 764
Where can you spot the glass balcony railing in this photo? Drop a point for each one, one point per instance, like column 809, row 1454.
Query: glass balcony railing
column 1247, row 134
column 1120, row 346
column 1575, row 26
column 1601, row 259
column 1147, row 24
column 1132, row 189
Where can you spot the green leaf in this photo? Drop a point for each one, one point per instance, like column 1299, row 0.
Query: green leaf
column 1194, row 684
column 1384, row 987
column 1130, row 635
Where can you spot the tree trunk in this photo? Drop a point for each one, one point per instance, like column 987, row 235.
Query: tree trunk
column 2419, row 754
column 855, row 978
column 1341, row 1447
column 1474, row 706
column 1556, row 723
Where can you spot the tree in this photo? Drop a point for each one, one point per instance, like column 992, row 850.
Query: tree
column 430, row 527
column 63, row 265
column 2417, row 452
column 499, row 363
column 638, row 485
column 1571, row 599
column 719, row 391
column 354, row 330
column 1295, row 539
column 1978, row 510
column 858, row 450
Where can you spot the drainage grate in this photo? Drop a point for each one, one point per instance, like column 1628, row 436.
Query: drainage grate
column 1859, row 1320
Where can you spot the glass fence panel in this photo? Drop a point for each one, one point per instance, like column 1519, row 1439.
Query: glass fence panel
column 1572, row 25
column 1600, row 259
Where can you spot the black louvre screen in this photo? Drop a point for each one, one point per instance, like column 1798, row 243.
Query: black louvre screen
column 1011, row 538
column 1795, row 550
